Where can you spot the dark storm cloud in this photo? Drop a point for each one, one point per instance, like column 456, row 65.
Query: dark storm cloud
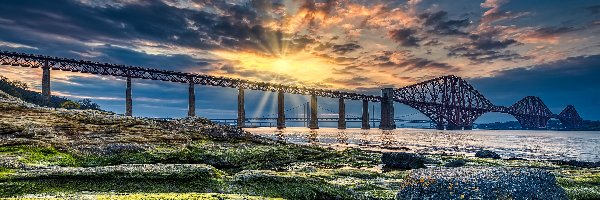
column 570, row 81
column 410, row 62
column 485, row 47
column 128, row 57
column 406, row 37
column 422, row 64
column 440, row 24
column 239, row 28
column 345, row 48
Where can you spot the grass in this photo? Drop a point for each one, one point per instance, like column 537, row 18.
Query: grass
column 580, row 184
column 42, row 156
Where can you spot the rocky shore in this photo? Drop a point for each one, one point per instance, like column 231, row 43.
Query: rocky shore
column 91, row 154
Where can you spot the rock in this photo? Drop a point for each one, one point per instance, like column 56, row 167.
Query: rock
column 575, row 163
column 487, row 154
column 456, row 163
column 401, row 160
column 480, row 183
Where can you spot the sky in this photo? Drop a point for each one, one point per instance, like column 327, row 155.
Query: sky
column 507, row 49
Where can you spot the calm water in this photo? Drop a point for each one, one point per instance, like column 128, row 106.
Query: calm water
column 564, row 145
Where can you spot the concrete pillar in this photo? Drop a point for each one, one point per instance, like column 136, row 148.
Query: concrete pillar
column 342, row 114
column 280, row 110
column 192, row 101
column 128, row 100
column 241, row 118
column 387, row 109
column 46, row 93
column 314, row 123
column 365, row 115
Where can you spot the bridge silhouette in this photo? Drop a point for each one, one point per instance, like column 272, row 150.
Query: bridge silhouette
column 448, row 101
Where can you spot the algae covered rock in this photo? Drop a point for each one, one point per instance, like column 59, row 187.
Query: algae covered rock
column 401, row 160
column 480, row 183
column 487, row 154
column 456, row 163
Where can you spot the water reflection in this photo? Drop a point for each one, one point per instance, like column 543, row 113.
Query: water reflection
column 342, row 138
column 525, row 144
column 312, row 136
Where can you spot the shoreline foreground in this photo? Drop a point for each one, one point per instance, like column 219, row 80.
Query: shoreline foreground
column 58, row 153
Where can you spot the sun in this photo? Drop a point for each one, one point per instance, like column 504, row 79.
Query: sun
column 282, row 65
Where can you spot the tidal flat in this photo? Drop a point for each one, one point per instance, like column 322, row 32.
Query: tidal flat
column 57, row 153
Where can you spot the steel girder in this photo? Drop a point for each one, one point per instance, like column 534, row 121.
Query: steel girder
column 570, row 118
column 531, row 112
column 446, row 100
column 82, row 66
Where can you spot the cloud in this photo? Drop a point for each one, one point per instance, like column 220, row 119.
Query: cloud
column 486, row 46
column 406, row 37
column 345, row 48
column 441, row 25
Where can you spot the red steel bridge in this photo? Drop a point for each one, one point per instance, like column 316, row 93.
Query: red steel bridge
column 449, row 101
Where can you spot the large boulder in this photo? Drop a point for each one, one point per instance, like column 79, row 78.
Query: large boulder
column 480, row 183
column 456, row 163
column 487, row 154
column 401, row 160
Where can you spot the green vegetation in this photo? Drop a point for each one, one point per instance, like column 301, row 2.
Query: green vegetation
column 580, row 184
column 70, row 105
column 20, row 90
column 40, row 156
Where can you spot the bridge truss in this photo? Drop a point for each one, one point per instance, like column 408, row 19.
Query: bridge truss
column 449, row 101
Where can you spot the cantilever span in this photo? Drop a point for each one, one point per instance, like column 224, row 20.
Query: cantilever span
column 449, row 101
column 452, row 103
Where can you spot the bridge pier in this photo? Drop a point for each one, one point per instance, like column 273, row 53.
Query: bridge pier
column 439, row 126
column 452, row 126
column 241, row 118
column 387, row 109
column 342, row 114
column 128, row 100
column 280, row 110
column 192, row 101
column 314, row 123
column 365, row 115
column 46, row 93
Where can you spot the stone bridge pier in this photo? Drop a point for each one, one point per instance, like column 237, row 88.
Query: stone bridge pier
column 387, row 109
column 313, row 123
column 128, row 99
column 365, row 115
column 241, row 113
column 342, row 114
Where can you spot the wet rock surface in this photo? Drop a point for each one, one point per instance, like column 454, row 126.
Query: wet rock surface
column 487, row 154
column 401, row 160
column 481, row 183
column 456, row 163
column 131, row 171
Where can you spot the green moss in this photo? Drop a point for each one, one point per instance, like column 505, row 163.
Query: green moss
column 5, row 172
column 287, row 185
column 175, row 196
column 33, row 155
column 70, row 186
